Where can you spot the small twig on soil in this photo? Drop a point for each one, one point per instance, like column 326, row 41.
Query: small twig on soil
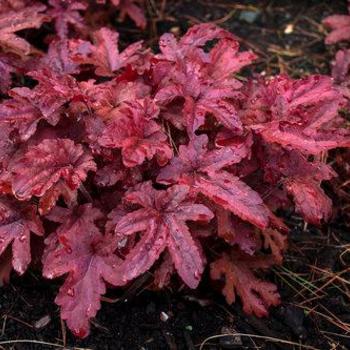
column 110, row 300
column 270, row 339
column 19, row 321
column 225, row 18
column 64, row 333
column 336, row 334
column 338, row 323
column 30, row 341
column 3, row 325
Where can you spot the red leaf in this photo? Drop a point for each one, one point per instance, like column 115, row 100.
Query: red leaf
column 14, row 21
column 131, row 9
column 237, row 269
column 51, row 196
column 45, row 101
column 66, row 12
column 60, row 57
column 340, row 28
column 236, row 232
column 20, row 115
column 42, row 166
column 341, row 71
column 105, row 54
column 310, row 200
column 201, row 168
column 17, row 221
column 298, row 114
column 163, row 220
column 302, row 179
column 5, row 267
column 134, row 131
column 205, row 81
column 195, row 38
column 8, row 64
column 276, row 241
column 76, row 249
column 52, row 92
column 162, row 276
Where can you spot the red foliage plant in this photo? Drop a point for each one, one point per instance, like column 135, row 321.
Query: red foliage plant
column 340, row 27
column 124, row 161
column 340, row 31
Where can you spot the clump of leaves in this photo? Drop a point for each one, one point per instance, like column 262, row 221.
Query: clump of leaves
column 341, row 72
column 340, row 31
column 340, row 27
column 124, row 161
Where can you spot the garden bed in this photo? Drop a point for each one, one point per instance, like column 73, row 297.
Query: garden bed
column 313, row 281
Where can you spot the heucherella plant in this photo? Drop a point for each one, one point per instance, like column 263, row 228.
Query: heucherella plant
column 340, row 27
column 125, row 161
column 340, row 32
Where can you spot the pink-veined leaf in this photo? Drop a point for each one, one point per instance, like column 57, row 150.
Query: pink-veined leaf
column 310, row 200
column 44, row 102
column 301, row 178
column 66, row 12
column 104, row 53
column 17, row 221
column 297, row 114
column 164, row 272
column 238, row 271
column 340, row 28
column 162, row 219
column 236, row 232
column 204, row 81
column 76, row 249
column 14, row 21
column 202, row 169
column 60, row 57
column 42, row 166
column 134, row 130
column 8, row 64
column 341, row 71
column 195, row 38
column 132, row 9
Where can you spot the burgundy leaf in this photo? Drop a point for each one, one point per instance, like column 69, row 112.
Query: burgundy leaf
column 302, row 179
column 195, row 38
column 310, row 200
column 131, row 9
column 105, row 54
column 237, row 269
column 341, row 71
column 205, row 81
column 44, row 102
column 133, row 129
column 17, row 221
column 340, row 28
column 296, row 114
column 51, row 196
column 236, row 232
column 60, row 57
column 66, row 12
column 76, row 249
column 14, row 21
column 200, row 168
column 163, row 218
column 8, row 64
column 42, row 166
column 162, row 276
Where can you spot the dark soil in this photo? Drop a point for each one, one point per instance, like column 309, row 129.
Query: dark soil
column 314, row 280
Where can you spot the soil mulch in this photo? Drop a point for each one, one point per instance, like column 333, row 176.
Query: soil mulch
column 314, row 280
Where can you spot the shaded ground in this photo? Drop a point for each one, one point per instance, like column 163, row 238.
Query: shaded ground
column 314, row 281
